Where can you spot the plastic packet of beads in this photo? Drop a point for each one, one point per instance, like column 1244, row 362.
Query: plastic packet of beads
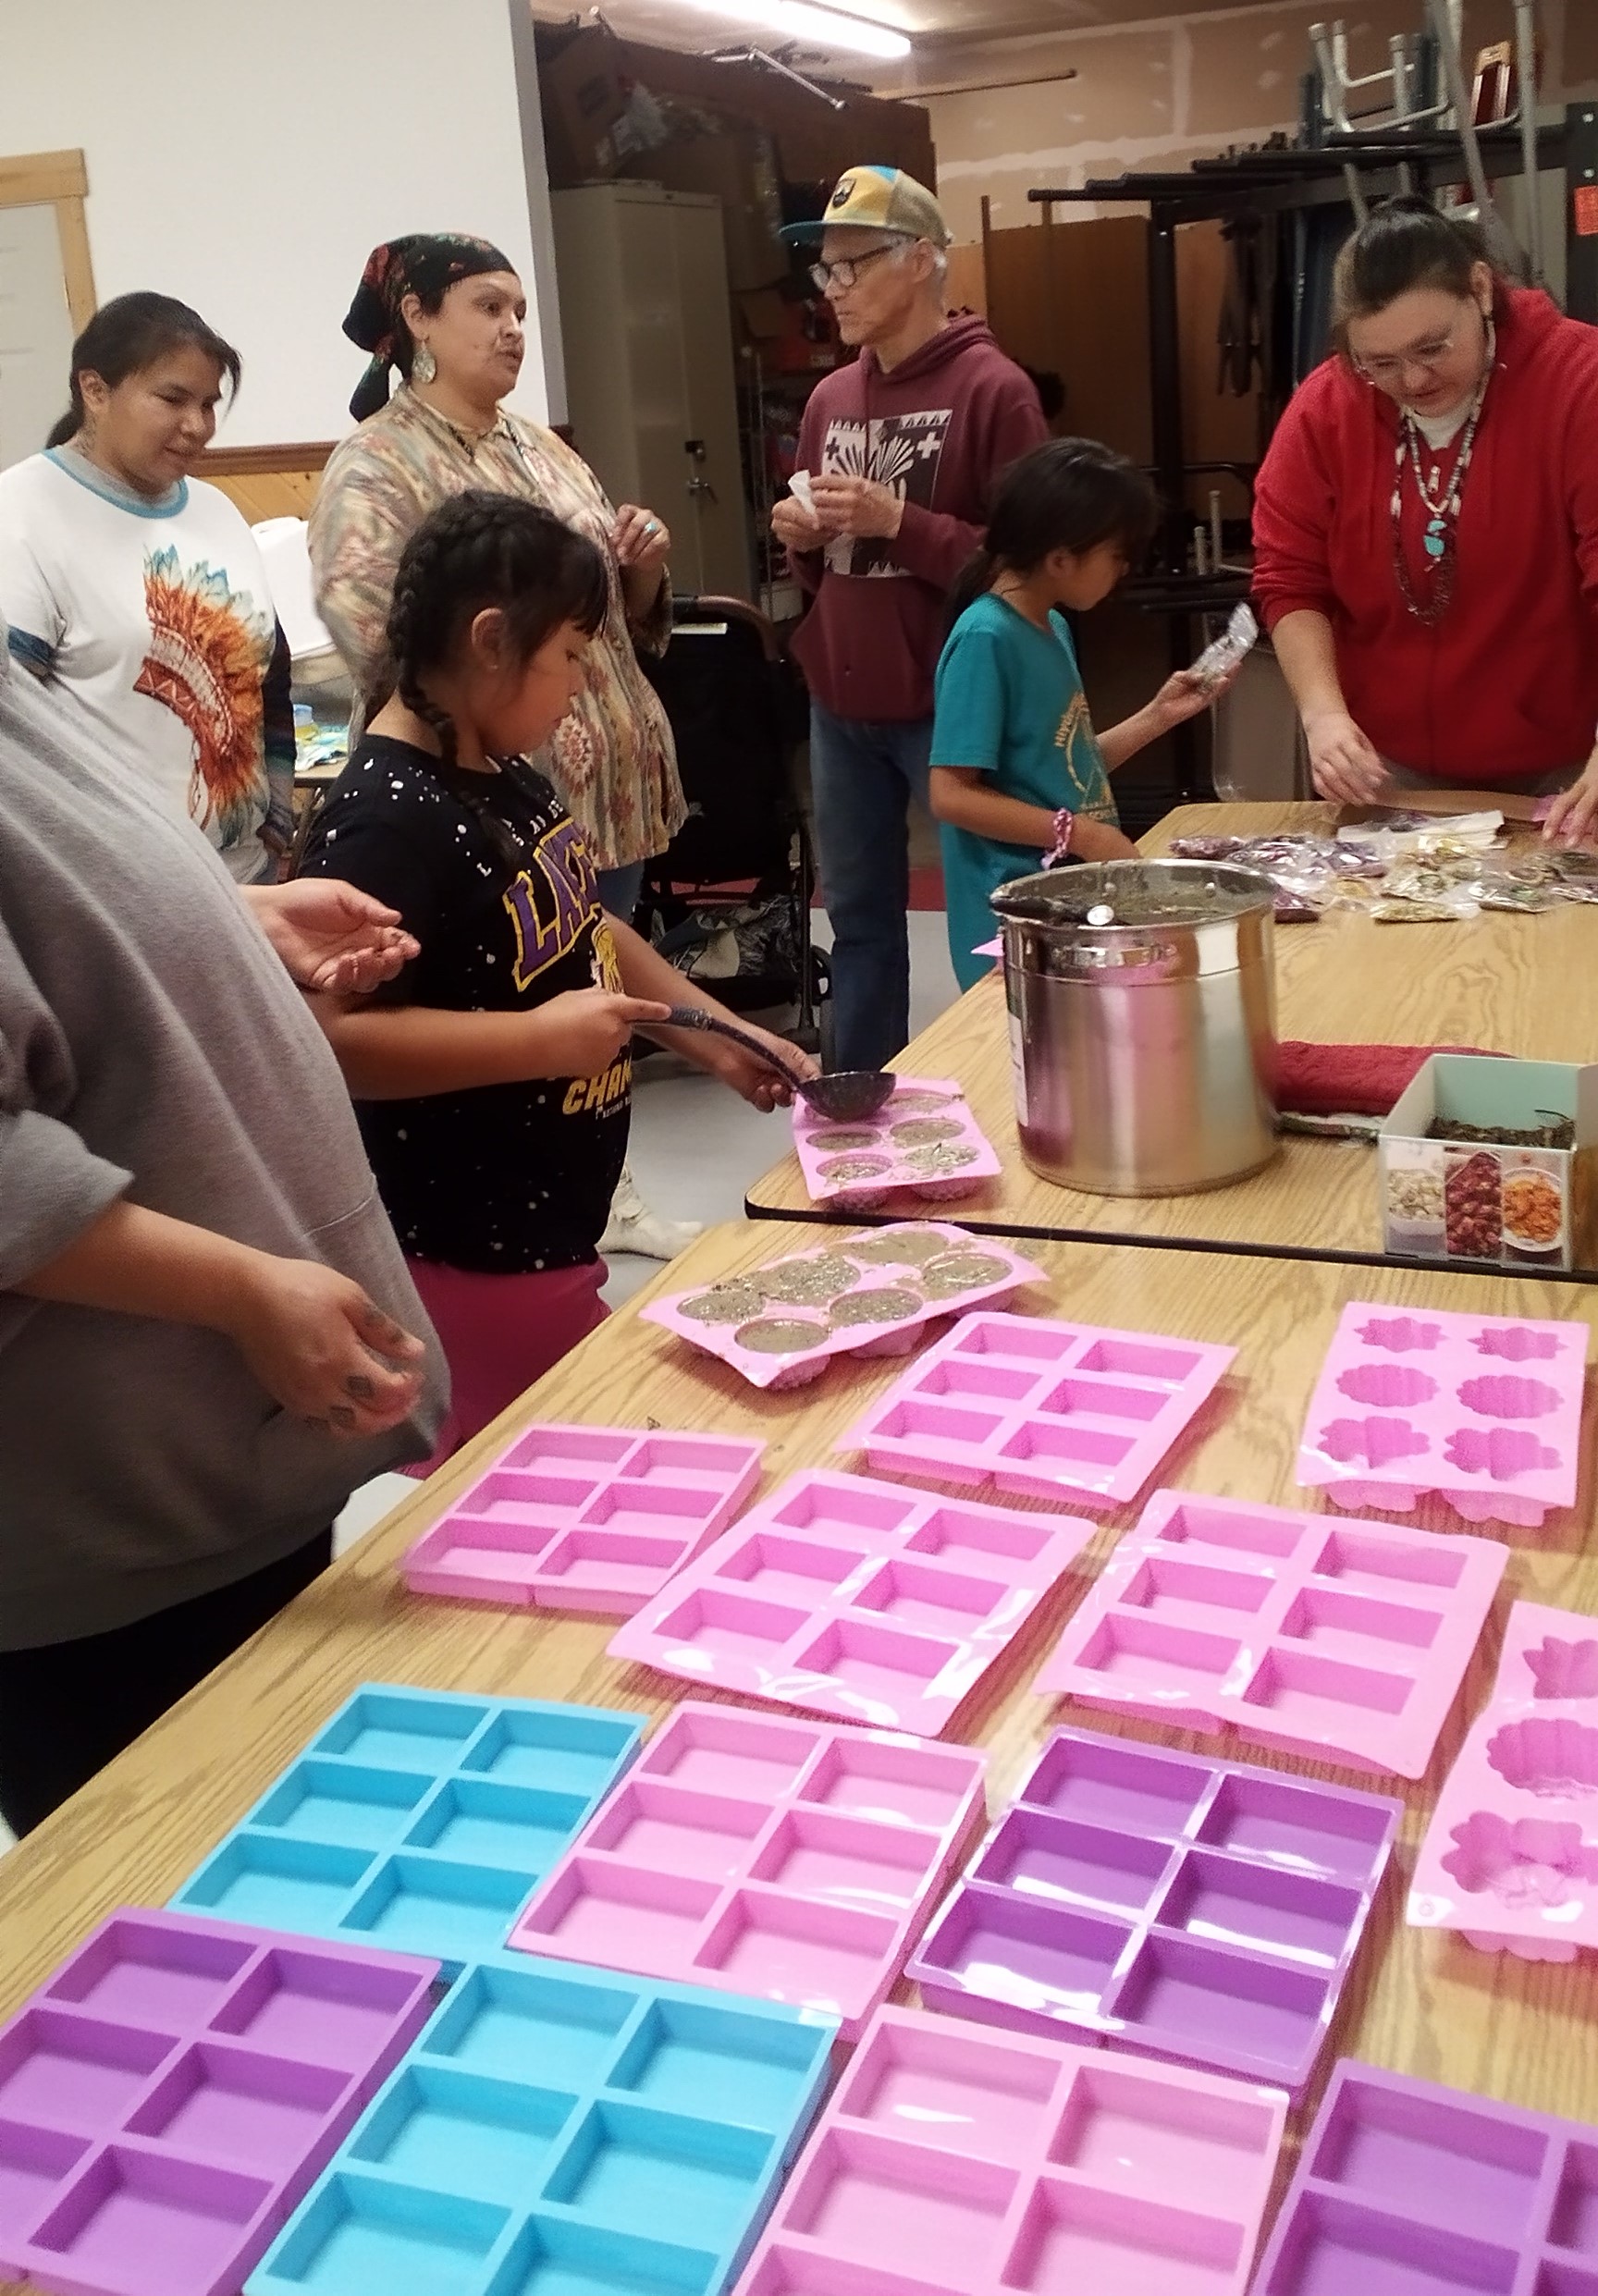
column 1222, row 655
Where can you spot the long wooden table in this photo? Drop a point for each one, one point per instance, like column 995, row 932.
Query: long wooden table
column 1420, row 2001
column 1525, row 985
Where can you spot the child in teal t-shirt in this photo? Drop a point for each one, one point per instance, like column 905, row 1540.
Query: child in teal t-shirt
column 1013, row 744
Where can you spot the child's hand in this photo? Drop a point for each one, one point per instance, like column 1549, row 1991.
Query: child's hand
column 760, row 1086
column 581, row 1033
column 320, row 1347
column 1184, row 696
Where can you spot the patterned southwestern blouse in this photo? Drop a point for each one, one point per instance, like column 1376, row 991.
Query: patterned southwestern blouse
column 612, row 757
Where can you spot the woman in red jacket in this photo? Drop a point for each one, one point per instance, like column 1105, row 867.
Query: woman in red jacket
column 1426, row 530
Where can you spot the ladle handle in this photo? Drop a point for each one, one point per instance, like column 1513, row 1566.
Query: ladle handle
column 695, row 1016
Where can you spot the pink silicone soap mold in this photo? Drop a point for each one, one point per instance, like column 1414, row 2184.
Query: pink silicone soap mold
column 585, row 1518
column 847, row 1597
column 955, row 2162
column 1511, row 1855
column 1328, row 1638
column 171, row 2093
column 1484, row 1410
column 924, row 1143
column 1018, row 1405
column 760, row 1855
column 872, row 1294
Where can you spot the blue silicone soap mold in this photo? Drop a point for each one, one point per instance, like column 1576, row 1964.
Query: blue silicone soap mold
column 562, row 2133
column 417, row 1820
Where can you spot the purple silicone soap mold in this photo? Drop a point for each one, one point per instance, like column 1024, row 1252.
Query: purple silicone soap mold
column 170, row 2094
column 955, row 2162
column 761, row 1855
column 585, row 1518
column 1406, row 1405
column 1510, row 1857
column 831, row 1156
column 1330, row 1639
column 1404, row 2188
column 896, row 1334
column 840, row 1596
column 1025, row 1407
column 1193, row 1909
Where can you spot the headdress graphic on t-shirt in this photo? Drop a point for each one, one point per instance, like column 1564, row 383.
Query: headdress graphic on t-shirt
column 207, row 652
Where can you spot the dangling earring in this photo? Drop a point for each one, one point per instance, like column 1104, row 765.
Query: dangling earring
column 424, row 366
column 1491, row 331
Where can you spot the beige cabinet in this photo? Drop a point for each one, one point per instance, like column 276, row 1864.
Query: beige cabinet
column 651, row 395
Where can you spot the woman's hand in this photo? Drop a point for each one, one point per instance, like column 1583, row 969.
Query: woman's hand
column 795, row 527
column 581, row 1032
column 330, row 936
column 1573, row 814
column 1343, row 765
column 760, row 1086
column 863, row 507
column 322, row 1348
column 641, row 541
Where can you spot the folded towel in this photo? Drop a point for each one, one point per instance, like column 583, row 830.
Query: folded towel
column 1350, row 1079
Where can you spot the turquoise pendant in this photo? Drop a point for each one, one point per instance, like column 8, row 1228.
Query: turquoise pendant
column 1435, row 540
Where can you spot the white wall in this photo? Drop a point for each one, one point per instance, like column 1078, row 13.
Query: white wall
column 248, row 159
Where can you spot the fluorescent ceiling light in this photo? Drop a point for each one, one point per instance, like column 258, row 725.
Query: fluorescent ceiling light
column 803, row 19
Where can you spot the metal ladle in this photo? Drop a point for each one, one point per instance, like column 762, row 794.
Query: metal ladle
column 847, row 1097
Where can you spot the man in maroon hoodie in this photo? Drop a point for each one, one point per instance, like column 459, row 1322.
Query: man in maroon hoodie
column 902, row 449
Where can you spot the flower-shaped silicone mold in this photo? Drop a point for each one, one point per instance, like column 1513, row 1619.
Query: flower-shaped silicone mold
column 1504, row 1396
column 1517, row 1344
column 1550, row 1756
column 1399, row 1334
column 1563, row 1669
column 1499, row 1452
column 1524, row 1861
column 1373, row 1442
column 1389, row 1384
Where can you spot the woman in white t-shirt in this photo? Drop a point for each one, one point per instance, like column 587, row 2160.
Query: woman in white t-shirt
column 137, row 589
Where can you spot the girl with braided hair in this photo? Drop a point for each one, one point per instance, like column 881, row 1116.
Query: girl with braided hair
column 492, row 1080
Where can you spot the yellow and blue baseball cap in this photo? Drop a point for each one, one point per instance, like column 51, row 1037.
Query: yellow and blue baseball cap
column 876, row 199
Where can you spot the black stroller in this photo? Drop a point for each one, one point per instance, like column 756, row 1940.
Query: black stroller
column 730, row 902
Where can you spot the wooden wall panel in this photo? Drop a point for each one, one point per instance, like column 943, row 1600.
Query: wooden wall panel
column 1074, row 298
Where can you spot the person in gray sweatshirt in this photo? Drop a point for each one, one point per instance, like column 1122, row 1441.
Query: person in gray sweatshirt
column 207, row 1334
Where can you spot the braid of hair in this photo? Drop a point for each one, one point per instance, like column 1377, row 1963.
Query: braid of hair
column 416, row 604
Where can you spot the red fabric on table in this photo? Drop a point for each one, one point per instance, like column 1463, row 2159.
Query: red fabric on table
column 1351, row 1079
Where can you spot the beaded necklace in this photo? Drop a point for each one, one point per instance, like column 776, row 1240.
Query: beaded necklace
column 1442, row 505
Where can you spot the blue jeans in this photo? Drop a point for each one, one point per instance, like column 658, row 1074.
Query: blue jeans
column 862, row 773
column 620, row 889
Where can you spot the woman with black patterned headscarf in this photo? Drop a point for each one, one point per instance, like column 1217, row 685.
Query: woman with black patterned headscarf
column 446, row 313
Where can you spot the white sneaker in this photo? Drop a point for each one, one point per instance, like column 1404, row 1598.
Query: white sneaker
column 633, row 1227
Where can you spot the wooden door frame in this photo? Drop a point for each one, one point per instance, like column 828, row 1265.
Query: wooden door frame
column 59, row 180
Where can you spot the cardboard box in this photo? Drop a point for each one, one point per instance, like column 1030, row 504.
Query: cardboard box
column 1485, row 1205
column 739, row 167
column 584, row 88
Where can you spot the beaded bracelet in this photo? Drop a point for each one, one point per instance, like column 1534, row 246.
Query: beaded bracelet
column 1061, row 848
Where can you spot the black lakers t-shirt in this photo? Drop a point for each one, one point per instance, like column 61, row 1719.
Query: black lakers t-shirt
column 503, row 1179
